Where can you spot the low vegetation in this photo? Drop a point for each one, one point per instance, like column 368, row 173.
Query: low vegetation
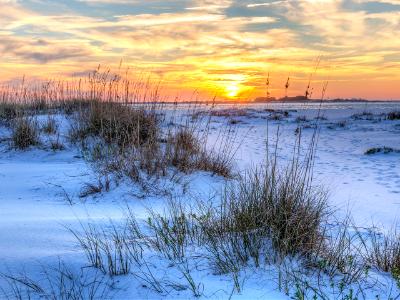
column 50, row 126
column 393, row 115
column 384, row 150
column 271, row 216
column 132, row 141
column 340, row 124
column 385, row 251
column 25, row 132
column 116, row 123
column 56, row 144
column 8, row 111
column 263, row 217
column 119, row 125
column 302, row 119
column 58, row 283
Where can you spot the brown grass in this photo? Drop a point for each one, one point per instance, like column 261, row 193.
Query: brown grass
column 384, row 251
column 393, row 115
column 51, row 126
column 116, row 123
column 25, row 132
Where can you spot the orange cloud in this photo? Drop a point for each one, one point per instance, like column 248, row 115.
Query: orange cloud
column 215, row 47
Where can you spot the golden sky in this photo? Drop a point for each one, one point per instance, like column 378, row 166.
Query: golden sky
column 222, row 47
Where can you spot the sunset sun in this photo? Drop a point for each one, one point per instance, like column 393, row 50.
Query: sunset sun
column 232, row 90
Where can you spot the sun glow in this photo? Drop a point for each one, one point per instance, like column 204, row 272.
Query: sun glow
column 232, row 90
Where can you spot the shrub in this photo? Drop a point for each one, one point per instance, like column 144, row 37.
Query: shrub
column 25, row 133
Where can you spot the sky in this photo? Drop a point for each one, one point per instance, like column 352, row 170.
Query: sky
column 223, row 48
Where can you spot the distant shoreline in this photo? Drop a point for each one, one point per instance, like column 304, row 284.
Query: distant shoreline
column 303, row 99
column 326, row 101
column 279, row 101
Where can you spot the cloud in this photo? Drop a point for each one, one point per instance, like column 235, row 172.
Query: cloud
column 108, row 1
column 205, row 43
column 209, row 7
column 59, row 54
column 265, row 4
column 40, row 50
column 394, row 2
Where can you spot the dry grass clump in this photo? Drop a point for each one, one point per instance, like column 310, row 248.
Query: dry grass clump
column 185, row 151
column 384, row 150
column 74, row 105
column 277, row 114
column 340, row 124
column 302, row 119
column 340, row 254
column 56, row 144
column 92, row 189
column 8, row 111
column 231, row 112
column 12, row 108
column 393, row 115
column 217, row 163
column 384, row 251
column 117, row 138
column 37, row 105
column 271, row 204
column 107, row 250
column 116, row 123
column 25, row 132
column 181, row 151
column 57, row 283
column 182, row 148
column 363, row 116
column 121, row 250
column 51, row 126
column 132, row 141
